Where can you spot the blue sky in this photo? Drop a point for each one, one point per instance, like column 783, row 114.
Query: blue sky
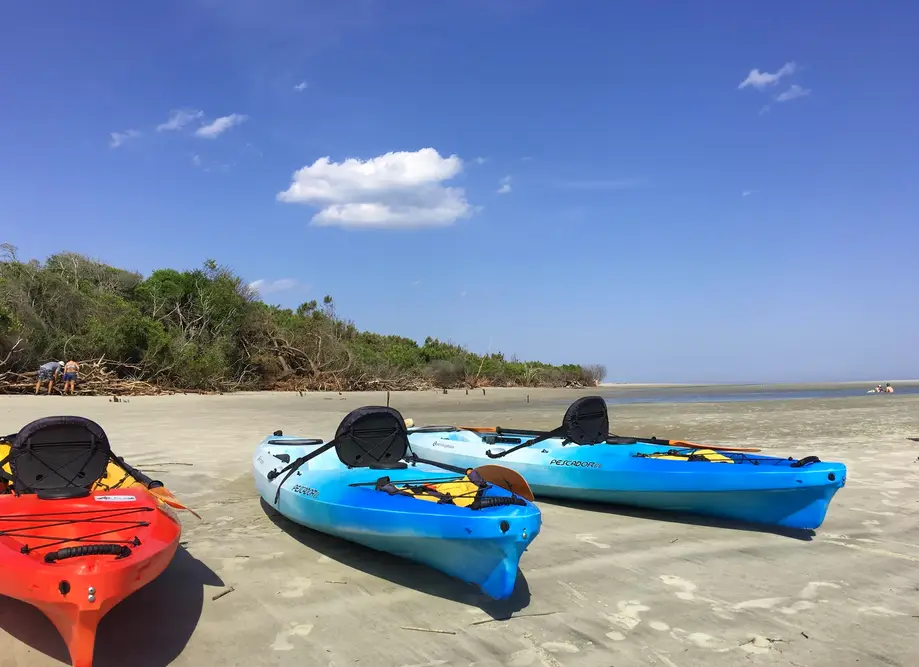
column 704, row 191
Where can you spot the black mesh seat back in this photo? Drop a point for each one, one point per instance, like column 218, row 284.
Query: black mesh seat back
column 586, row 421
column 371, row 435
column 56, row 453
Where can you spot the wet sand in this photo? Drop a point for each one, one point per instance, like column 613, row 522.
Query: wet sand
column 600, row 586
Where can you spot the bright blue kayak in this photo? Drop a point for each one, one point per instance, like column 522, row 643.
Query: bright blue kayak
column 358, row 489
column 735, row 485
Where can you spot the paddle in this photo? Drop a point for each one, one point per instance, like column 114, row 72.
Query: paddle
column 631, row 440
column 155, row 487
column 618, row 439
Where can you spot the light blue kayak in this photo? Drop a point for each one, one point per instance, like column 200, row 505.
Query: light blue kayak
column 734, row 485
column 357, row 488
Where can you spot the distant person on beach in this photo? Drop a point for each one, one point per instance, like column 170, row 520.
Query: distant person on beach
column 71, row 368
column 889, row 389
column 47, row 373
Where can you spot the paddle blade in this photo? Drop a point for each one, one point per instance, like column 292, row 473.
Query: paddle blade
column 506, row 479
column 409, row 422
column 165, row 495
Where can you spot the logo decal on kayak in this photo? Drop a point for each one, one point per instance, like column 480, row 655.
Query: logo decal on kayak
column 575, row 464
column 115, row 499
column 305, row 491
column 260, row 459
column 438, row 443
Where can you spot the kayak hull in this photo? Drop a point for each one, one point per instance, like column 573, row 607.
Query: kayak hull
column 769, row 491
column 76, row 592
column 481, row 547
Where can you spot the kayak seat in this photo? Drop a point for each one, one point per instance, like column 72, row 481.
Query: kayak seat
column 372, row 436
column 58, row 457
column 586, row 422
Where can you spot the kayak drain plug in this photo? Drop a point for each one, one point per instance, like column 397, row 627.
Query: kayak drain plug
column 504, row 526
column 64, row 587
column 832, row 477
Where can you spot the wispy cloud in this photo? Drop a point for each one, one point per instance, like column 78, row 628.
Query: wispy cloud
column 178, row 119
column 300, row 87
column 505, row 186
column 793, row 93
column 219, row 126
column 603, row 184
column 761, row 80
column 402, row 189
column 263, row 286
column 481, row 160
column 747, row 193
column 118, row 138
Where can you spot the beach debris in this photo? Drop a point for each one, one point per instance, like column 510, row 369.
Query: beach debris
column 225, row 591
column 437, row 632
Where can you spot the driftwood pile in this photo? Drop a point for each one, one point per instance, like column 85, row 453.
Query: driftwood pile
column 96, row 377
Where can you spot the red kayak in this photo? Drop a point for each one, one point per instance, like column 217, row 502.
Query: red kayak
column 80, row 530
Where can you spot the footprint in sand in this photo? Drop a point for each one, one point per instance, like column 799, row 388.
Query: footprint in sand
column 686, row 587
column 590, row 538
column 758, row 644
column 809, row 592
column 561, row 647
column 297, row 588
column 880, row 611
column 234, row 564
column 628, row 616
column 282, row 640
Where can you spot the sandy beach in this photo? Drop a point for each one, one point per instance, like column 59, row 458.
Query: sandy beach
column 600, row 586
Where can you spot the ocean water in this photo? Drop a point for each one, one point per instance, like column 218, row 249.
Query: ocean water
column 730, row 394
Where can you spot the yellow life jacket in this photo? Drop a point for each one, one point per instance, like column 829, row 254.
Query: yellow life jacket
column 462, row 492
column 693, row 455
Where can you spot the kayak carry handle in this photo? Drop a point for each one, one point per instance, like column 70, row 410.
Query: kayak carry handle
column 119, row 550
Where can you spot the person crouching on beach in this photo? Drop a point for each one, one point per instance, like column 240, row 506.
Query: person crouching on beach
column 71, row 368
column 47, row 373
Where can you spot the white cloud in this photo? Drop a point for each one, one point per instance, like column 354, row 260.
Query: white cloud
column 263, row 286
column 196, row 160
column 396, row 189
column 178, row 119
column 481, row 160
column 300, row 87
column 219, row 126
column 760, row 80
column 505, row 186
column 747, row 193
column 793, row 93
column 119, row 138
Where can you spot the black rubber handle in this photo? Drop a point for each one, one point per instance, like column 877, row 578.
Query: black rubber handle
column 120, row 550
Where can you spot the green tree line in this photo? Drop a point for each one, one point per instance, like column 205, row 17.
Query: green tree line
column 206, row 329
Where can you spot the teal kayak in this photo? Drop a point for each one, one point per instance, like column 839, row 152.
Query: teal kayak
column 644, row 472
column 358, row 488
